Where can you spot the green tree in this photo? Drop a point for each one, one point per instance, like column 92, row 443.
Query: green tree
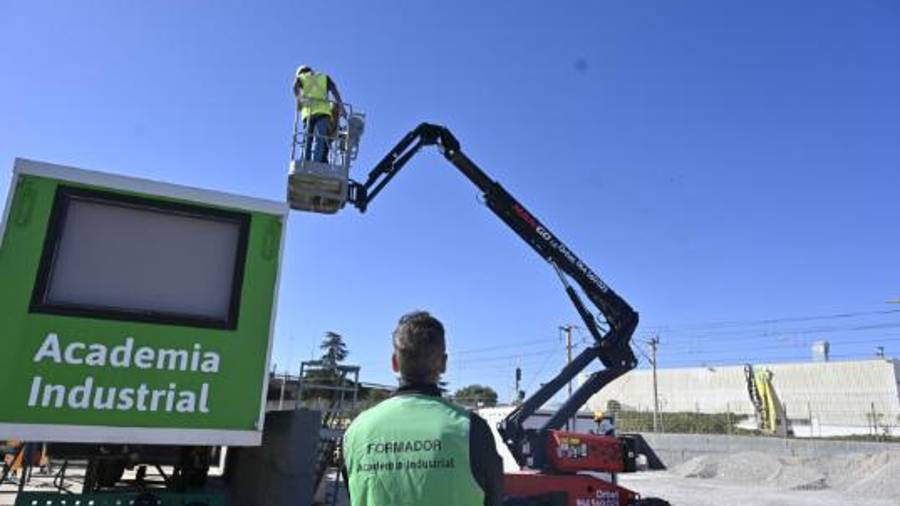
column 477, row 396
column 334, row 347
column 334, row 351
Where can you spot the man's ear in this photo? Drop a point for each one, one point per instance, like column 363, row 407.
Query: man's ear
column 395, row 362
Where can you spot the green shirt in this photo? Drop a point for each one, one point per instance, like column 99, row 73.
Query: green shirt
column 411, row 450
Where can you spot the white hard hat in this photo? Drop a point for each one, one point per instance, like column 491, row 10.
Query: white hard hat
column 303, row 68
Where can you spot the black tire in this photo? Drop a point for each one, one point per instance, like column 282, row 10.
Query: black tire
column 195, row 477
column 650, row 501
column 109, row 472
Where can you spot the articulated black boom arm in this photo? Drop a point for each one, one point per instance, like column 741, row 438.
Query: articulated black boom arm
column 611, row 338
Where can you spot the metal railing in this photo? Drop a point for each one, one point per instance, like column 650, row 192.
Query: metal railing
column 341, row 143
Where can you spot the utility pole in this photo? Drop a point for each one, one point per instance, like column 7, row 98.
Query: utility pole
column 516, row 396
column 654, row 342
column 568, row 330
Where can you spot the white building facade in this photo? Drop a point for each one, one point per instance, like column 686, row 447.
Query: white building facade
column 820, row 399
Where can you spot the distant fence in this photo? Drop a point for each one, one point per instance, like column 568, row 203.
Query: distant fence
column 871, row 425
column 681, row 423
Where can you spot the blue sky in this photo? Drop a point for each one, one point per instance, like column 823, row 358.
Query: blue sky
column 713, row 161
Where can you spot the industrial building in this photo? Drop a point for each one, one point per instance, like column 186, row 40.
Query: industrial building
column 820, row 399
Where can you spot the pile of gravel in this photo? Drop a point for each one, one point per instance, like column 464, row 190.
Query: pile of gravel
column 867, row 475
column 870, row 475
column 754, row 468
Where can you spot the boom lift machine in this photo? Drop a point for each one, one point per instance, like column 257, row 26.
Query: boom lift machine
column 556, row 464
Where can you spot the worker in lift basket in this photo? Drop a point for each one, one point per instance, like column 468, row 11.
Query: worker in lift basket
column 606, row 425
column 416, row 448
column 320, row 115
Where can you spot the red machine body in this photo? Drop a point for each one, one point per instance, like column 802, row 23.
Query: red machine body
column 571, row 452
column 566, row 489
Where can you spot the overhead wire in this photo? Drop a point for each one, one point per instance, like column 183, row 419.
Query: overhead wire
column 734, row 342
column 784, row 332
column 853, row 314
column 517, row 344
column 724, row 342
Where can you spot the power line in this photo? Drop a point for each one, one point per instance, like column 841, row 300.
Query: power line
column 771, row 355
column 505, row 357
column 789, row 332
column 780, row 358
column 694, row 348
column 776, row 330
column 739, row 323
column 539, row 371
column 455, row 355
column 517, row 344
column 881, row 320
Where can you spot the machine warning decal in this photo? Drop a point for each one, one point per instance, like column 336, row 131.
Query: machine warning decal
column 603, row 498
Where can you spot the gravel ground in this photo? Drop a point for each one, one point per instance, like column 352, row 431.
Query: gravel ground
column 704, row 492
column 683, row 491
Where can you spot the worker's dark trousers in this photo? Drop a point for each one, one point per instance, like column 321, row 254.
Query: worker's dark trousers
column 317, row 127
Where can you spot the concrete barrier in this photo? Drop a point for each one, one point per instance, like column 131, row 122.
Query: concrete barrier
column 281, row 472
column 673, row 449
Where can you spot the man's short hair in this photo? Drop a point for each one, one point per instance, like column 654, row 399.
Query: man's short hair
column 420, row 347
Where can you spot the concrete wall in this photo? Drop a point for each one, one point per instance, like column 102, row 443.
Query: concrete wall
column 673, row 449
column 827, row 397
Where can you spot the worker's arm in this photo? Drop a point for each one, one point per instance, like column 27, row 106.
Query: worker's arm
column 339, row 102
column 487, row 466
column 298, row 91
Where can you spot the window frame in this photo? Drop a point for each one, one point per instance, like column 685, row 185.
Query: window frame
column 65, row 195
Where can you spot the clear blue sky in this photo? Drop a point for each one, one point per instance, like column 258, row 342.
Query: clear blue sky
column 714, row 161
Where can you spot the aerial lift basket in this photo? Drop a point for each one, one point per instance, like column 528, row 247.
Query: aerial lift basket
column 321, row 186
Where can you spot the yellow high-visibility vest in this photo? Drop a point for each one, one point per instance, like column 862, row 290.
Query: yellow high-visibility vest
column 315, row 94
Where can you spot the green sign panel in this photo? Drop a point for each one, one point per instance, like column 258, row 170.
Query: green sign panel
column 134, row 311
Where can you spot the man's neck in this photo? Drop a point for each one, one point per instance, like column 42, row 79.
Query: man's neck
column 422, row 388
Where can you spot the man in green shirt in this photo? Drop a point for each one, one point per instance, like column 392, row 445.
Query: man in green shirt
column 417, row 448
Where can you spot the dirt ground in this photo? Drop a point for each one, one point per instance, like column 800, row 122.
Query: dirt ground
column 759, row 479
column 678, row 490
column 702, row 492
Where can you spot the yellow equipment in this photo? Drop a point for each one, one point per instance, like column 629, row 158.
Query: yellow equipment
column 769, row 409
